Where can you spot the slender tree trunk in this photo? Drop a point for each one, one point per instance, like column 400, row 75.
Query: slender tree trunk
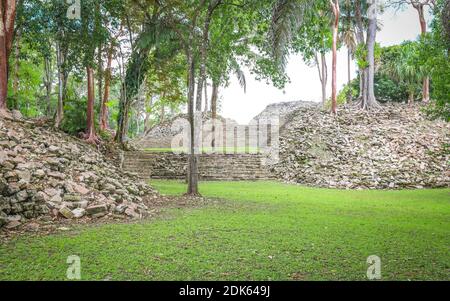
column 90, row 128
column 360, row 39
column 336, row 12
column 370, row 102
column 323, row 76
column 16, row 70
column 61, row 86
column 100, row 73
column 423, row 28
column 148, row 106
column 122, row 122
column 162, row 114
column 48, row 83
column 411, row 98
column 214, row 97
column 7, row 18
column 204, row 53
column 206, row 97
column 192, row 157
column 349, row 76
column 108, row 74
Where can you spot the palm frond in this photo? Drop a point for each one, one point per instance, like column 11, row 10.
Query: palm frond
column 287, row 17
column 240, row 76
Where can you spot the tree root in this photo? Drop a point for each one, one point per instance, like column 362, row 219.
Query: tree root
column 92, row 138
column 6, row 114
column 360, row 104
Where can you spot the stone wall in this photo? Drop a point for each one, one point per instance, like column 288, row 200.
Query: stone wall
column 394, row 147
column 227, row 133
column 283, row 111
column 48, row 174
column 211, row 166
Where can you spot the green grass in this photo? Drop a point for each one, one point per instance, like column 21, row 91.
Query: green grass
column 227, row 150
column 265, row 231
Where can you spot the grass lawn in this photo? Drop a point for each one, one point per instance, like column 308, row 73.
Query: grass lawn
column 263, row 231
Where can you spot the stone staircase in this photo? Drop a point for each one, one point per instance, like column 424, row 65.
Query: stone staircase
column 211, row 166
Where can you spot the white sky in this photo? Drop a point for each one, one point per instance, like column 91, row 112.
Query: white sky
column 305, row 84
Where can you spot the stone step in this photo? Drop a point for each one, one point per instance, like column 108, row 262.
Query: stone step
column 211, row 167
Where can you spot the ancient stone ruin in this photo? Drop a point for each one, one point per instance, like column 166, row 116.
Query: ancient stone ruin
column 394, row 147
column 48, row 174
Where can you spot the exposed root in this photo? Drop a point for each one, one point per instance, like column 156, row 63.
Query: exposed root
column 363, row 105
column 195, row 195
column 92, row 138
column 5, row 114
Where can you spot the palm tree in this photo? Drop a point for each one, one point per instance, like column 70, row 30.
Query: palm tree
column 287, row 17
column 406, row 69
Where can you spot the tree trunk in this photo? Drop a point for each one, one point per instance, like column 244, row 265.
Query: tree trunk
column 192, row 157
column 100, row 75
column 90, row 128
column 16, row 70
column 370, row 101
column 108, row 74
column 122, row 121
column 206, row 97
column 214, row 97
column 61, row 86
column 148, row 105
column 349, row 77
column 423, row 29
column 336, row 12
column 163, row 113
column 3, row 75
column 7, row 18
column 426, row 89
column 48, row 83
column 411, row 98
column 204, row 54
column 323, row 75
column 360, row 39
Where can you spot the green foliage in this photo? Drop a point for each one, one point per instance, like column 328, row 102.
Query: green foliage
column 74, row 121
column 75, row 118
column 348, row 90
column 399, row 72
column 315, row 35
column 30, row 98
column 361, row 55
column 435, row 55
column 387, row 90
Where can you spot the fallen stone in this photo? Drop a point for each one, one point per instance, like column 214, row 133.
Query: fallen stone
column 13, row 225
column 96, row 209
column 56, row 175
column 56, row 199
column 66, row 212
column 72, row 198
column 81, row 189
column 79, row 212
column 130, row 212
column 99, row 215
